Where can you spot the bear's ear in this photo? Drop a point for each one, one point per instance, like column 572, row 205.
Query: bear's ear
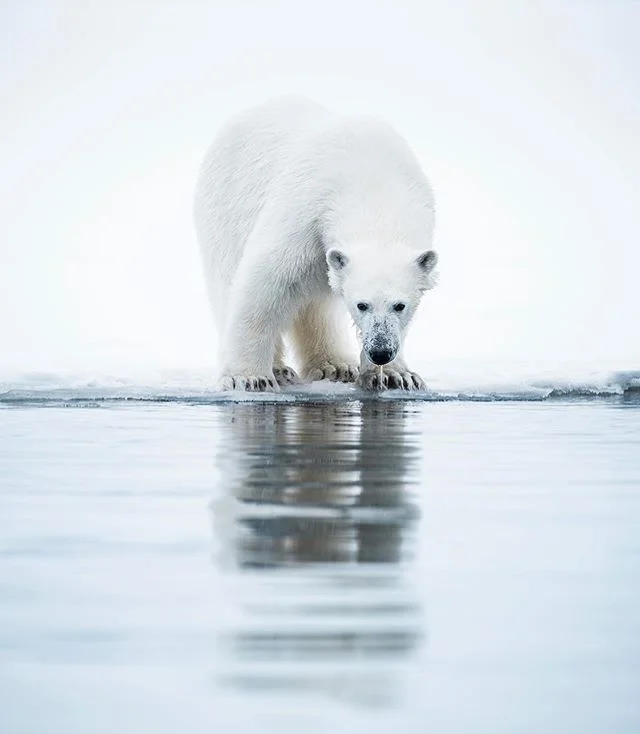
column 427, row 261
column 336, row 259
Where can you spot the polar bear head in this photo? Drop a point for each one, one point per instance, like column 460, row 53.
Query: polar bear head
column 381, row 296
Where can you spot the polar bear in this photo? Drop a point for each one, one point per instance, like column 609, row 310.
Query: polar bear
column 300, row 212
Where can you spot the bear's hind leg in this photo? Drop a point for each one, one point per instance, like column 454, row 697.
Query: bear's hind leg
column 319, row 340
column 284, row 374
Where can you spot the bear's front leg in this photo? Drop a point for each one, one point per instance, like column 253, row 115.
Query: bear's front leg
column 249, row 345
column 395, row 375
column 252, row 330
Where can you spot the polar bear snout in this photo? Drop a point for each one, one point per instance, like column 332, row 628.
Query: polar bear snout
column 382, row 344
column 381, row 356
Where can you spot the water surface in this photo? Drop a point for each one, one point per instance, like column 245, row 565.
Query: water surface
column 347, row 567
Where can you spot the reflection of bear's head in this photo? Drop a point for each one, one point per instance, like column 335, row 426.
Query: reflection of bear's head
column 381, row 297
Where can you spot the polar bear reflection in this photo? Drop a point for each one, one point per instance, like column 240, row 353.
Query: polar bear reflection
column 317, row 544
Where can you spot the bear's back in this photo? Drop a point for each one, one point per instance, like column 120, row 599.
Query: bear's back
column 295, row 154
column 242, row 162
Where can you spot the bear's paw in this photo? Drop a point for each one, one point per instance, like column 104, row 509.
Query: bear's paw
column 334, row 371
column 390, row 379
column 286, row 376
column 249, row 383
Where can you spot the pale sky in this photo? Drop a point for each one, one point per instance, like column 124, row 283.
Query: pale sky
column 525, row 116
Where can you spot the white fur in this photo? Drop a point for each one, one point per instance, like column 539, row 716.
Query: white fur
column 283, row 184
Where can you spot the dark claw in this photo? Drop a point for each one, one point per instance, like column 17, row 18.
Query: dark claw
column 395, row 381
column 380, row 383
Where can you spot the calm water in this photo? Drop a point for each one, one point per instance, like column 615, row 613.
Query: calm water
column 346, row 567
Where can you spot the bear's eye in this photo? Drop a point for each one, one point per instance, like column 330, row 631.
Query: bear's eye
column 363, row 306
column 398, row 307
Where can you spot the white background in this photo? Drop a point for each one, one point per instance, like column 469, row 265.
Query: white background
column 525, row 116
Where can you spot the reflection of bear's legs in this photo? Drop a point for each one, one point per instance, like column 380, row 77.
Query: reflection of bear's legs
column 323, row 351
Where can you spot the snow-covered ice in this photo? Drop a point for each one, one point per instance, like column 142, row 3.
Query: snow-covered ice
column 457, row 380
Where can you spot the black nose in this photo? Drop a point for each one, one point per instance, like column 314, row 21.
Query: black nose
column 381, row 356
